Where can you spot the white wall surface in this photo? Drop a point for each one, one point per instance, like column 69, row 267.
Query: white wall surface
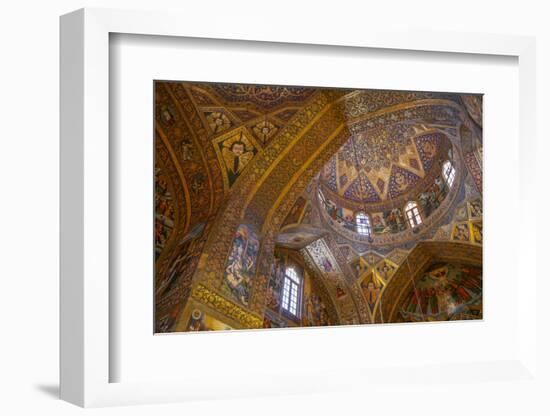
column 29, row 210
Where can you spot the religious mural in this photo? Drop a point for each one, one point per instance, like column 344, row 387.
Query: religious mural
column 241, row 263
column 189, row 247
column 474, row 208
column 391, row 221
column 385, row 269
column 359, row 267
column 461, row 232
column 323, row 257
column 275, row 283
column 315, row 311
column 235, row 152
column 174, row 274
column 295, row 213
column 372, row 287
column 164, row 212
column 289, row 206
column 265, row 130
column 218, row 121
column 431, row 199
column 477, row 232
column 446, row 291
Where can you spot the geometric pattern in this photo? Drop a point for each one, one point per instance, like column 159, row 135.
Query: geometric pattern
column 264, row 131
column 218, row 121
column 234, row 149
column 236, row 125
column 381, row 164
column 401, row 180
column 263, row 97
column 474, row 169
column 323, row 258
column 361, row 189
column 427, row 148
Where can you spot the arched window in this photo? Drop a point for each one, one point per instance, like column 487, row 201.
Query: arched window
column 292, row 291
column 449, row 173
column 362, row 224
column 412, row 213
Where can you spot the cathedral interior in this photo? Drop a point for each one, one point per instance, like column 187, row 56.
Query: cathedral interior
column 285, row 206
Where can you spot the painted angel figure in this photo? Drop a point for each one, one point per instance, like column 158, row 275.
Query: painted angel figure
column 236, row 157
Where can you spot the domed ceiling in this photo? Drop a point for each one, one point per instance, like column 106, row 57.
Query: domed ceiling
column 381, row 166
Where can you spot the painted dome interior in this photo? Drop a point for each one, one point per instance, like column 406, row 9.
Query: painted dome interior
column 381, row 165
column 379, row 173
column 286, row 206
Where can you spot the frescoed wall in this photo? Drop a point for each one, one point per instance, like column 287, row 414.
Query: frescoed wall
column 296, row 212
column 275, row 283
column 314, row 303
column 371, row 287
column 164, row 212
column 314, row 311
column 235, row 150
column 446, row 291
column 241, row 264
column 250, row 179
column 392, row 221
column 174, row 277
column 431, row 199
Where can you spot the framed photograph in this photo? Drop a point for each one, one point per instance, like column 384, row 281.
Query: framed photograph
column 247, row 215
column 335, row 206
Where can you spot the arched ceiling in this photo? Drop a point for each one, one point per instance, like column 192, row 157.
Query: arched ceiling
column 382, row 165
column 369, row 149
column 423, row 184
column 262, row 109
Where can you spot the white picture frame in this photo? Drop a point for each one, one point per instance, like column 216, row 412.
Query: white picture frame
column 85, row 211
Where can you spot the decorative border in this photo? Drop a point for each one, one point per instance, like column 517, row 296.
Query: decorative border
column 210, row 298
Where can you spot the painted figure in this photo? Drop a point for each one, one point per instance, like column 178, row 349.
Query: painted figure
column 315, row 311
column 274, row 287
column 461, row 232
column 236, row 156
column 371, row 290
column 444, row 292
column 241, row 264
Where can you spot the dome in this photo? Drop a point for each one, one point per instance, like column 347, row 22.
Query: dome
column 378, row 175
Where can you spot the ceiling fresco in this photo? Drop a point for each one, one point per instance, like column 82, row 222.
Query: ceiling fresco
column 381, row 165
column 323, row 258
column 245, row 174
column 261, row 97
column 263, row 109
